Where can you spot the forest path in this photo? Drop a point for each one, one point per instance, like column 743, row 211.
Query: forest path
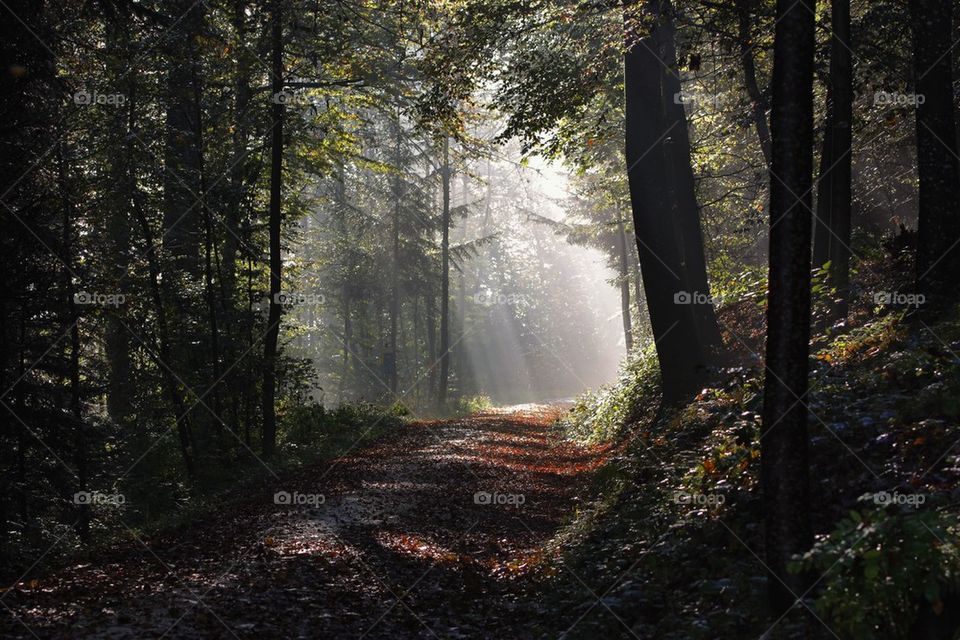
column 425, row 534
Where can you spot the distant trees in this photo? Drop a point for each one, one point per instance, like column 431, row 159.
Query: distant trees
column 783, row 443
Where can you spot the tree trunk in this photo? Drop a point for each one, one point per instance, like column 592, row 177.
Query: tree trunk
column 431, row 343
column 759, row 105
column 391, row 362
column 679, row 352
column 269, row 434
column 181, row 414
column 239, row 164
column 181, row 188
column 831, row 240
column 784, row 458
column 445, row 281
column 938, row 227
column 181, row 180
column 72, row 320
column 122, row 176
column 625, row 286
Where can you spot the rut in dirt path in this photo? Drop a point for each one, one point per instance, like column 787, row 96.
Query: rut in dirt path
column 425, row 534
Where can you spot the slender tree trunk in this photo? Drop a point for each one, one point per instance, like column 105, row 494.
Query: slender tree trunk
column 625, row 285
column 784, row 461
column 209, row 247
column 78, row 437
column 181, row 179
column 938, row 227
column 759, row 105
column 462, row 366
column 445, row 281
column 340, row 201
column 121, row 390
column 679, row 351
column 392, row 361
column 269, row 434
column 239, row 168
column 831, row 240
column 432, row 343
column 180, row 412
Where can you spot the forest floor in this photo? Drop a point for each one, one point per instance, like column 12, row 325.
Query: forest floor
column 426, row 533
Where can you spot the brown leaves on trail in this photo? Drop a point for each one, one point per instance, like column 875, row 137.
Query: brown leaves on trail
column 433, row 527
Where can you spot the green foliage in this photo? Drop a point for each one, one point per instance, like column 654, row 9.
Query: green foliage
column 880, row 565
column 470, row 405
column 323, row 432
column 603, row 415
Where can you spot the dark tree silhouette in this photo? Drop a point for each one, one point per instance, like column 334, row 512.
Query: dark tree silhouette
column 668, row 291
column 276, row 263
column 938, row 227
column 784, row 458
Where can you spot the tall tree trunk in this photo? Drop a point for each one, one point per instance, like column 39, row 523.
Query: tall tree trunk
column 391, row 362
column 462, row 365
column 235, row 213
column 685, row 192
column 340, row 202
column 625, row 285
column 759, row 105
column 181, row 187
column 181, row 180
column 209, row 247
column 784, row 458
column 831, row 240
column 72, row 320
column 121, row 390
column 679, row 351
column 445, row 280
column 181, row 414
column 269, row 433
column 431, row 343
column 938, row 227
column 239, row 165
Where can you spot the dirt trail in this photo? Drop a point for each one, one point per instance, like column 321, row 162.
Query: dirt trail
column 424, row 535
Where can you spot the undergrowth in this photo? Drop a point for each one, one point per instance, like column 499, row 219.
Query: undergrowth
column 157, row 498
column 670, row 543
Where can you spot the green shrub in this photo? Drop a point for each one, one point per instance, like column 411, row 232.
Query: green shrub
column 879, row 567
column 470, row 405
column 603, row 415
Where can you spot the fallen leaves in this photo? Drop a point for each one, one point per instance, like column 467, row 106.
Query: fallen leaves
column 400, row 538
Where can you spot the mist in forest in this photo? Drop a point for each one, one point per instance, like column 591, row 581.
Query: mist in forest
column 534, row 316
